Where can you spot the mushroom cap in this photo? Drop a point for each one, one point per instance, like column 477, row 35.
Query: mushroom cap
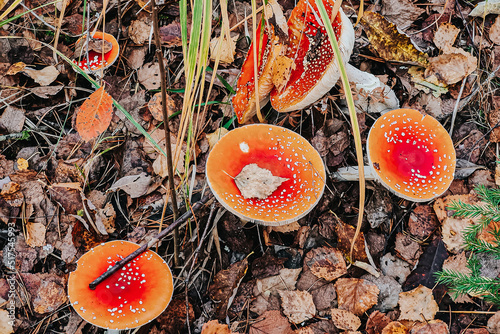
column 316, row 71
column 131, row 297
column 95, row 59
column 269, row 48
column 411, row 154
column 281, row 151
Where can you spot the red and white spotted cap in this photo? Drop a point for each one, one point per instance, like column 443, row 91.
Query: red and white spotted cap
column 285, row 154
column 131, row 297
column 411, row 154
column 96, row 60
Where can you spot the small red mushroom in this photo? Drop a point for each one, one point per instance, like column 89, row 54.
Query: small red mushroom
column 131, row 297
column 95, row 60
column 282, row 152
column 315, row 71
column 411, row 154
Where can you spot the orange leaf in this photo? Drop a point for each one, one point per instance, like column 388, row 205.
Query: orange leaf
column 94, row 115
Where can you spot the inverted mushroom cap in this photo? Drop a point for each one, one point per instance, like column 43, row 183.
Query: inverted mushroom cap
column 285, row 154
column 316, row 71
column 411, row 154
column 95, row 60
column 131, row 297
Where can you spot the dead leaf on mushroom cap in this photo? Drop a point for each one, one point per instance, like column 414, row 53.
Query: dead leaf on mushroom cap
column 298, row 306
column 326, row 262
column 417, row 304
column 356, row 295
column 256, row 182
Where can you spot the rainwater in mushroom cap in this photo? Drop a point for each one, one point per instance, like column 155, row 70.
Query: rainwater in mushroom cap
column 411, row 154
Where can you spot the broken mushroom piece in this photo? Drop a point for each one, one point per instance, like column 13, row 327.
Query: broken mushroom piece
column 103, row 50
column 270, row 44
column 131, row 297
column 282, row 172
column 411, row 154
column 315, row 69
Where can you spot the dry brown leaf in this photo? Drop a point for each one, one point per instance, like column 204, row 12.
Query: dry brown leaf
column 431, row 327
column 495, row 31
column 356, row 295
column 134, row 185
column 298, row 306
column 441, row 205
column 417, row 304
column 47, row 91
column 448, row 68
column 286, row 280
column 155, row 107
column 214, row 137
column 422, row 222
column 35, row 234
column 401, row 12
column 395, row 327
column 94, row 115
column 282, row 69
column 213, row 327
column 494, row 119
column 171, row 34
column 458, row 263
column 271, row 322
column 287, row 228
column 345, row 236
column 12, row 119
column 389, row 42
column 139, row 31
column 22, row 164
column 6, row 323
column 452, row 230
column 345, row 320
column 225, row 285
column 149, row 76
column 44, row 77
column 227, row 49
column 376, row 322
column 488, row 234
column 326, row 262
column 407, row 249
column 445, row 36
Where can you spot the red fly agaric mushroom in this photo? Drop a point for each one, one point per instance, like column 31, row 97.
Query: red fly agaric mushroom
column 97, row 58
column 270, row 44
column 131, row 297
column 298, row 173
column 411, row 154
column 315, row 71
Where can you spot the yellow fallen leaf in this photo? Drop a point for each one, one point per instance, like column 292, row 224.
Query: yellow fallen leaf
column 22, row 164
column 15, row 68
column 227, row 49
column 389, row 42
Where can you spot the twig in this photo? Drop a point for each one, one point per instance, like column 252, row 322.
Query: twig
column 166, row 126
column 118, row 265
column 455, row 109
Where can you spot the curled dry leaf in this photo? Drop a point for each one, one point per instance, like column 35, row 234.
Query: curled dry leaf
column 417, row 304
column 431, row 327
column 401, row 12
column 445, row 36
column 326, row 262
column 458, row 263
column 450, row 68
column 134, row 185
column 94, row 115
column 139, row 31
column 389, row 42
column 345, row 236
column 343, row 319
column 225, row 285
column 376, row 322
column 171, row 34
column 356, row 295
column 298, row 306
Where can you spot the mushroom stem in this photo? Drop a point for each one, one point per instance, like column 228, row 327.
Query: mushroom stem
column 351, row 173
column 373, row 95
